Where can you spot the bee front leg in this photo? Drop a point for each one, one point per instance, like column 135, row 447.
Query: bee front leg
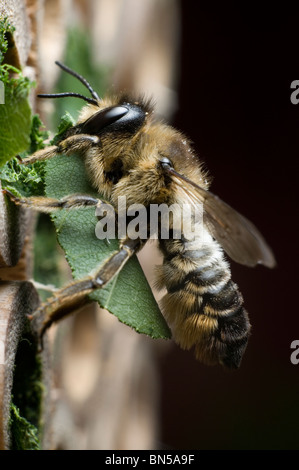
column 74, row 143
column 74, row 295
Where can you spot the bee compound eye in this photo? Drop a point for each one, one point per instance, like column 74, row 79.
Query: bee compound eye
column 110, row 115
column 126, row 118
column 113, row 114
column 166, row 163
column 104, row 118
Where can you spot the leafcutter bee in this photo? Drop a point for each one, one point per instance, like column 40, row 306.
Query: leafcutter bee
column 127, row 153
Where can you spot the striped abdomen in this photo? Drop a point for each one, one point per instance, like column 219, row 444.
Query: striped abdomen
column 203, row 306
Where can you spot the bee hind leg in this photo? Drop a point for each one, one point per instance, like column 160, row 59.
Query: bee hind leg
column 74, row 295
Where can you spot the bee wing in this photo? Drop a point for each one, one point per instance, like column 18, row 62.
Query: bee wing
column 240, row 239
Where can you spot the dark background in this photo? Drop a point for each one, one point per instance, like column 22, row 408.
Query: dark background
column 234, row 103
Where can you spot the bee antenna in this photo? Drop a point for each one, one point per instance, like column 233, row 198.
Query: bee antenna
column 64, row 95
column 80, row 78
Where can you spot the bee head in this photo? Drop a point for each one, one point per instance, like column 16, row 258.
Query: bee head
column 134, row 153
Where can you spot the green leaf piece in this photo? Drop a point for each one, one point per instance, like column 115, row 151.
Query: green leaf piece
column 15, row 112
column 6, row 30
column 15, row 115
column 26, row 180
column 128, row 296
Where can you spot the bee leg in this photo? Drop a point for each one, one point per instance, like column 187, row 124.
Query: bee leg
column 74, row 294
column 74, row 143
column 46, row 204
